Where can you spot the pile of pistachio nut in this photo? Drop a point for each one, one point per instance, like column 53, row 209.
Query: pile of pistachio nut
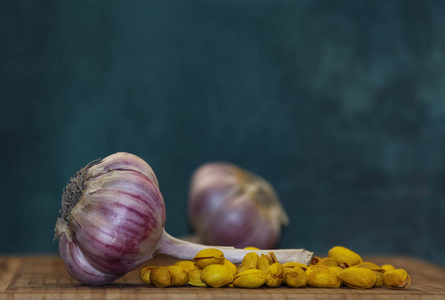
column 342, row 267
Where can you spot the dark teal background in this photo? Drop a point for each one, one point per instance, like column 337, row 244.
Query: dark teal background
column 339, row 104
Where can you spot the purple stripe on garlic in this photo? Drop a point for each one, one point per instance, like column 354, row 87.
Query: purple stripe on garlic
column 112, row 222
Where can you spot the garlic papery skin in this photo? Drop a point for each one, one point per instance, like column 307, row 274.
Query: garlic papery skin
column 230, row 206
column 113, row 214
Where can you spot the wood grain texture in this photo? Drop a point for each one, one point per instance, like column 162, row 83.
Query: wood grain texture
column 45, row 277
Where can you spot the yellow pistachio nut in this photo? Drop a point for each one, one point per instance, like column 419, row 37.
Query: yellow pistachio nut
column 272, row 257
column 295, row 277
column 274, row 275
column 144, row 273
column 377, row 270
column 161, row 277
column 216, row 275
column 344, row 256
column 379, row 279
column 322, row 276
column 388, row 267
column 195, row 278
column 232, row 268
column 370, row 265
column 251, row 278
column 335, row 270
column 263, row 263
column 358, row 278
column 208, row 257
column 328, row 262
column 291, row 264
column 251, row 248
column 180, row 277
column 186, row 265
column 250, row 261
column 397, row 279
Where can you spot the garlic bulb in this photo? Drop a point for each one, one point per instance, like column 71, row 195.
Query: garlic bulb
column 113, row 207
column 231, row 206
column 112, row 222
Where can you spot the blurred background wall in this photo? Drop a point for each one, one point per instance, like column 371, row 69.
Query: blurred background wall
column 339, row 104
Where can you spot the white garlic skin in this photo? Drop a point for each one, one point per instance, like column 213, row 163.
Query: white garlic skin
column 115, row 222
column 229, row 206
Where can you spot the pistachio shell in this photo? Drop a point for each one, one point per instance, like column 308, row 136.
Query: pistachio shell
column 274, row 275
column 144, row 273
column 216, row 275
column 186, row 265
column 250, row 261
column 388, row 267
column 233, row 269
column 372, row 266
column 321, row 276
column 263, row 263
column 161, row 277
column 290, row 265
column 195, row 278
column 295, row 277
column 379, row 279
column 344, row 256
column 180, row 277
column 272, row 257
column 336, row 270
column 328, row 262
column 251, row 248
column 251, row 278
column 397, row 279
column 358, row 278
column 208, row 257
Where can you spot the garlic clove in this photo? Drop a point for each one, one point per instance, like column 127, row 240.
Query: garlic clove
column 80, row 267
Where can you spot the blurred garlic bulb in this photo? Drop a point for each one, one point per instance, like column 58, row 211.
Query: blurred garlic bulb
column 229, row 206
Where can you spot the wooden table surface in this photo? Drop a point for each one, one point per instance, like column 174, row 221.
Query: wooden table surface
column 45, row 277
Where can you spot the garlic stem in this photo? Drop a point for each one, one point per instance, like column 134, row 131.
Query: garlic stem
column 172, row 246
